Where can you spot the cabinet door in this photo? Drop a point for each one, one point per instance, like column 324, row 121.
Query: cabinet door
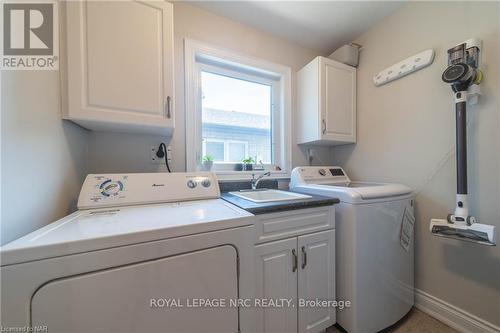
column 316, row 279
column 338, row 101
column 276, row 278
column 120, row 65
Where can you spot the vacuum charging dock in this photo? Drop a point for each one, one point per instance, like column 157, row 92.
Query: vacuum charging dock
column 464, row 75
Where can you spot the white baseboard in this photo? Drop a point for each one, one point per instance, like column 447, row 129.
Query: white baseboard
column 452, row 316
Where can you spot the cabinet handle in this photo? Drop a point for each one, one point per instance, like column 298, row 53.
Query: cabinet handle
column 304, row 257
column 323, row 125
column 167, row 107
column 295, row 261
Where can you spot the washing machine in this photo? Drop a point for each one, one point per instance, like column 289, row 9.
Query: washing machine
column 374, row 246
column 144, row 253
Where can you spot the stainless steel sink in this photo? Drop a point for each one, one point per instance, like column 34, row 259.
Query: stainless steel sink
column 269, row 195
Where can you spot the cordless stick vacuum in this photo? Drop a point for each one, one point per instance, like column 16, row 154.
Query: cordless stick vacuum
column 464, row 76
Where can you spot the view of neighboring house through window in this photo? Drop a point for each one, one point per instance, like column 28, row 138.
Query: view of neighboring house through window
column 236, row 118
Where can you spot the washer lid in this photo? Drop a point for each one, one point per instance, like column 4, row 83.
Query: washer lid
column 90, row 230
column 377, row 190
column 332, row 181
column 356, row 192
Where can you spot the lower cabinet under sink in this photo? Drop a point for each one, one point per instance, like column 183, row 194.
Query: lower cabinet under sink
column 295, row 260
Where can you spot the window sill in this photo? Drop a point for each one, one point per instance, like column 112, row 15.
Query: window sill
column 247, row 175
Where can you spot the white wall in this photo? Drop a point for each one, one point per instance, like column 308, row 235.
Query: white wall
column 110, row 152
column 406, row 134
column 44, row 158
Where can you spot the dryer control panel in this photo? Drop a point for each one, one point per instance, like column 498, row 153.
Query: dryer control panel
column 319, row 175
column 110, row 190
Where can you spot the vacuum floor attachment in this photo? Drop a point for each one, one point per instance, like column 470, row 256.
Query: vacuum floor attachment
column 476, row 232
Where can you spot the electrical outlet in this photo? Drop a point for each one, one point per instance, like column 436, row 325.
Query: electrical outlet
column 160, row 160
column 169, row 154
column 155, row 159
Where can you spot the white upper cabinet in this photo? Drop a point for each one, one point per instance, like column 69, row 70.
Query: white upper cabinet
column 326, row 103
column 120, row 68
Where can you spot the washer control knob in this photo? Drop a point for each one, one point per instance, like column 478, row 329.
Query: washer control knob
column 322, row 172
column 111, row 188
column 206, row 182
column 191, row 183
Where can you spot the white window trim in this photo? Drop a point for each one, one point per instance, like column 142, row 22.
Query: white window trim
column 193, row 51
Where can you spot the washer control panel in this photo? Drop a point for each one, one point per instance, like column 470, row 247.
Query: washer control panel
column 142, row 188
column 319, row 175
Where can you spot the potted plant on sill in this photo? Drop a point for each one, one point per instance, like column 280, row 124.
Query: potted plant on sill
column 247, row 164
column 208, row 162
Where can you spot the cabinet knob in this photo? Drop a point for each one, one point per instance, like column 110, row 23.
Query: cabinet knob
column 167, row 107
column 323, row 125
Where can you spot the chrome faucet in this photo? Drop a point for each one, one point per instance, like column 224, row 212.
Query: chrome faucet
column 255, row 181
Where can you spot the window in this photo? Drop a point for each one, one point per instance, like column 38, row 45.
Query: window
column 237, row 108
column 237, row 151
column 215, row 149
column 225, row 151
column 237, row 112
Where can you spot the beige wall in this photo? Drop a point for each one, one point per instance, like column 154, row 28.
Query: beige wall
column 406, row 134
column 130, row 153
column 44, row 159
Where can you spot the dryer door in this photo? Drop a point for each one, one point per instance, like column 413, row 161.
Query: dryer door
column 125, row 299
